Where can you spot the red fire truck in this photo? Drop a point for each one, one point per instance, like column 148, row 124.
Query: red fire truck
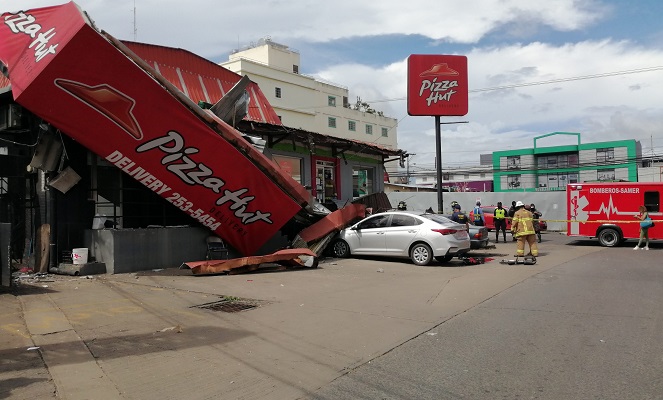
column 606, row 210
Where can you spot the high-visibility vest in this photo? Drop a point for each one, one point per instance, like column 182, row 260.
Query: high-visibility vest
column 500, row 213
column 477, row 214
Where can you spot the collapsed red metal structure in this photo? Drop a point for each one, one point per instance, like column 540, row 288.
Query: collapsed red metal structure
column 96, row 90
column 131, row 105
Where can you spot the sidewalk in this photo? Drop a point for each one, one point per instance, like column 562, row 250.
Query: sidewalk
column 144, row 336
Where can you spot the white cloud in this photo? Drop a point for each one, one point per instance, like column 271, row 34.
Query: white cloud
column 602, row 108
column 210, row 27
column 616, row 107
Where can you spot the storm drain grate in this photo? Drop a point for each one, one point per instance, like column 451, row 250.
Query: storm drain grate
column 230, row 305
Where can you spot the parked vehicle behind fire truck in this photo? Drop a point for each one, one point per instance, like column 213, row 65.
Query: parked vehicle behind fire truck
column 605, row 210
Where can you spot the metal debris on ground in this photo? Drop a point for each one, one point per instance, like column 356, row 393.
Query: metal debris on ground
column 474, row 260
column 527, row 260
column 288, row 258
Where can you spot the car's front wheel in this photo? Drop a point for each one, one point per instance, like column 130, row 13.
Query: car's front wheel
column 421, row 254
column 341, row 249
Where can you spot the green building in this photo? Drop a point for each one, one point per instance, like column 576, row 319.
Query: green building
column 552, row 168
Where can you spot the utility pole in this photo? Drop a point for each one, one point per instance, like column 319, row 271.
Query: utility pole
column 407, row 173
column 135, row 26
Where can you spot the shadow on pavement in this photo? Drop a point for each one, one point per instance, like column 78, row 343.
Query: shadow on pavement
column 168, row 340
column 11, row 384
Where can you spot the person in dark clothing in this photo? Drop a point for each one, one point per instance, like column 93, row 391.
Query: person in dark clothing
column 512, row 211
column 536, row 214
column 499, row 218
column 477, row 215
column 460, row 217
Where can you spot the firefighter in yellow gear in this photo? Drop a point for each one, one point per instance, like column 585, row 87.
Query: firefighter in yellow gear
column 522, row 228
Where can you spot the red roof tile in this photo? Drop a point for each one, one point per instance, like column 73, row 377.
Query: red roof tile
column 200, row 79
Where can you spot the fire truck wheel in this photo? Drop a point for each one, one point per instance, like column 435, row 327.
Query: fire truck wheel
column 609, row 237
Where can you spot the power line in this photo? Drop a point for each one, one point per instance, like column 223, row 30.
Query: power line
column 526, row 84
column 534, row 168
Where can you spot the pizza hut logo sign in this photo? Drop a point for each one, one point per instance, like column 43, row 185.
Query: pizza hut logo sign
column 437, row 85
column 27, row 24
column 435, row 90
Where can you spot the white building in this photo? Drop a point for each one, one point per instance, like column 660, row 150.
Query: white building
column 308, row 103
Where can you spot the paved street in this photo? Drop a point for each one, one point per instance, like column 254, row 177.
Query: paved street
column 582, row 317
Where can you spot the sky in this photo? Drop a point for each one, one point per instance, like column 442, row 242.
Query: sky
column 593, row 67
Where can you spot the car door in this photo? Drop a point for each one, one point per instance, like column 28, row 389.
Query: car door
column 368, row 236
column 489, row 217
column 402, row 231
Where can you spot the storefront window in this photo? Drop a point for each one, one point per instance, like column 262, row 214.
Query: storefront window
column 291, row 166
column 325, row 181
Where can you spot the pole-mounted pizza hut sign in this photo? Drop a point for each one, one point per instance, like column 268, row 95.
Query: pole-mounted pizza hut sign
column 437, row 86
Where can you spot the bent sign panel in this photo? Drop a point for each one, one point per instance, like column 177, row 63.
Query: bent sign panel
column 65, row 71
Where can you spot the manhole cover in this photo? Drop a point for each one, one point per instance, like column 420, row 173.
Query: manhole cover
column 230, row 305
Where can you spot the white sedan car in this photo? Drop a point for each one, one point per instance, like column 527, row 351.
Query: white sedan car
column 418, row 236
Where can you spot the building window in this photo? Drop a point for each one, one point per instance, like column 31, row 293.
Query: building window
column 352, row 126
column 482, row 175
column 466, row 176
column 605, row 154
column 4, row 185
column 331, row 122
column 513, row 181
column 605, row 175
column 385, row 132
column 513, row 162
column 369, row 129
column 562, row 161
column 542, row 162
column 295, row 69
column 573, row 160
column 331, row 101
column 558, row 161
column 277, row 92
column 291, row 166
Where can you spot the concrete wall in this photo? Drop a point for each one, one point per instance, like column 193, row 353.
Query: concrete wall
column 131, row 250
column 551, row 204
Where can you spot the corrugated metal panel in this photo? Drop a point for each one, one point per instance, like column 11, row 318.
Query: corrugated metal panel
column 201, row 79
column 4, row 83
